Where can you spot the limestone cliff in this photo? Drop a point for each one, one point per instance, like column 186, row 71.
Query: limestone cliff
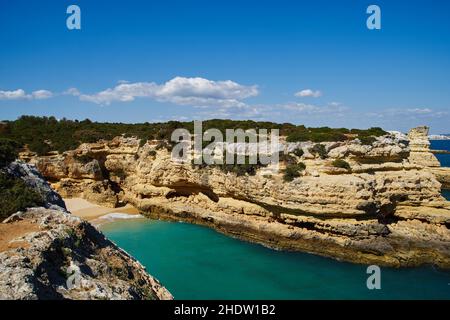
column 387, row 209
column 46, row 253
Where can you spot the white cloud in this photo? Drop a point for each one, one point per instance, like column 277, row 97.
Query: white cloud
column 408, row 113
column 308, row 93
column 419, row 111
column 21, row 94
column 42, row 94
column 311, row 109
column 182, row 91
column 13, row 95
column 72, row 92
column 254, row 112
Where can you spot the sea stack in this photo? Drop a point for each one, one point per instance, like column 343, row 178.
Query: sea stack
column 419, row 145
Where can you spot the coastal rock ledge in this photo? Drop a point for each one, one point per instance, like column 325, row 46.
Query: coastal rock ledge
column 50, row 254
column 47, row 253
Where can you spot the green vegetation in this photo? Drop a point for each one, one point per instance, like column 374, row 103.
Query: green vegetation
column 367, row 140
column 238, row 169
column 15, row 196
column 293, row 171
column 339, row 163
column 286, row 158
column 119, row 173
column 242, row 169
column 317, row 135
column 168, row 145
column 319, row 150
column 83, row 158
column 298, row 152
column 367, row 137
column 45, row 134
column 8, row 151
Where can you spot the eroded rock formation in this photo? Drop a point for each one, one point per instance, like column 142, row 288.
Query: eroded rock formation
column 53, row 247
column 387, row 209
column 46, row 253
column 420, row 148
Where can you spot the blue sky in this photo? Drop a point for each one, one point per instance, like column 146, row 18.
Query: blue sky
column 305, row 62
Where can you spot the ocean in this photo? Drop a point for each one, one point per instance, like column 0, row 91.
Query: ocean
column 444, row 159
column 196, row 262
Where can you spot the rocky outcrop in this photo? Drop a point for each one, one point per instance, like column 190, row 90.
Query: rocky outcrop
column 46, row 253
column 390, row 148
column 59, row 256
column 420, row 148
column 422, row 155
column 387, row 209
column 33, row 179
column 442, row 175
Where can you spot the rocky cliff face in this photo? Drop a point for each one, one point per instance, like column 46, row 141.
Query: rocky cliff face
column 387, row 209
column 46, row 253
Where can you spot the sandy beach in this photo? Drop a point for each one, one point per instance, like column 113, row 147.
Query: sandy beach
column 89, row 211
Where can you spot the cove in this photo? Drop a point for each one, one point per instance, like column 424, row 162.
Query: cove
column 195, row 262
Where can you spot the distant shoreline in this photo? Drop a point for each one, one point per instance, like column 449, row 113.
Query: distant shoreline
column 439, row 138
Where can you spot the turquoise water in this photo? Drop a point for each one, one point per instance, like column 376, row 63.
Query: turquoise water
column 446, row 194
column 195, row 262
column 444, row 159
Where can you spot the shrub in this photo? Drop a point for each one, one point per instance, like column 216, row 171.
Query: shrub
column 83, row 158
column 164, row 145
column 367, row 140
column 293, row 171
column 298, row 152
column 15, row 196
column 152, row 153
column 8, row 151
column 238, row 169
column 374, row 131
column 241, row 169
column 87, row 136
column 339, row 163
column 319, row 150
column 40, row 147
column 119, row 173
column 288, row 159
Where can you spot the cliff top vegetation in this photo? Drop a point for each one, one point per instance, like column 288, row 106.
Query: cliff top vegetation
column 45, row 134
